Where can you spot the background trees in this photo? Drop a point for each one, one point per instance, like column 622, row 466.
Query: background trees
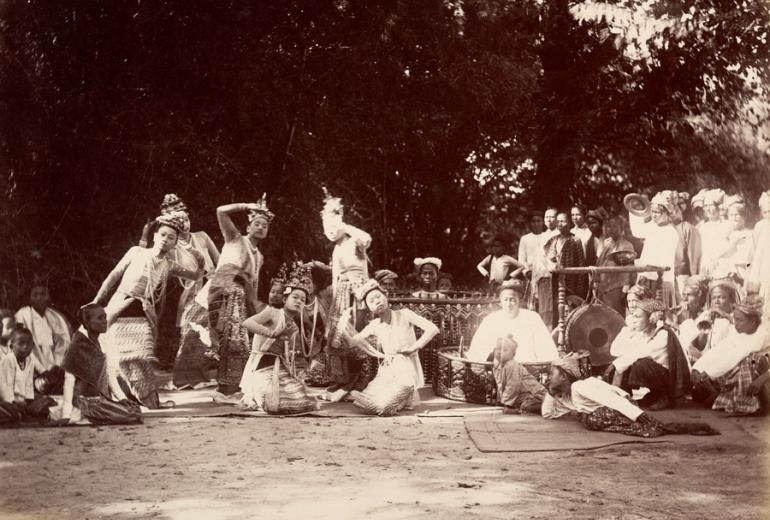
column 435, row 120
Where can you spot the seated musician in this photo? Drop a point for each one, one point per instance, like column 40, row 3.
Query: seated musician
column 733, row 375
column 525, row 327
column 648, row 355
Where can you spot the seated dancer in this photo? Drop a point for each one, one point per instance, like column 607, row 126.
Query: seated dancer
column 387, row 280
column 497, row 267
column 732, row 375
column 350, row 271
column 232, row 293
column 428, row 269
column 270, row 380
column 400, row 375
column 132, row 309
column 648, row 354
column 51, row 333
column 603, row 407
column 91, row 388
column 17, row 372
column 7, row 324
column 713, row 324
column 525, row 327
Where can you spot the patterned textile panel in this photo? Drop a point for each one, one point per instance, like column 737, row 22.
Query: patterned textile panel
column 456, row 318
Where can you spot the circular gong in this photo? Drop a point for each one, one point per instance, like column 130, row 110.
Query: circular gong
column 593, row 327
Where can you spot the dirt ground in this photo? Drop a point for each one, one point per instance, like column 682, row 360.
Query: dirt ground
column 376, row 468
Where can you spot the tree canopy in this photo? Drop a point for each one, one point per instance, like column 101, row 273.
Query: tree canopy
column 435, row 121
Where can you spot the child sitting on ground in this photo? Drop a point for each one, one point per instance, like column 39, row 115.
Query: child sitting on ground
column 17, row 382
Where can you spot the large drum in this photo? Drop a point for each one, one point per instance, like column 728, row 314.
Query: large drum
column 461, row 379
column 593, row 327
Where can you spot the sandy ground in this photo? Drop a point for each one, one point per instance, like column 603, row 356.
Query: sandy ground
column 321, row 468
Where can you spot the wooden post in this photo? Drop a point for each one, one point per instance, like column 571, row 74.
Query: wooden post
column 562, row 310
column 659, row 287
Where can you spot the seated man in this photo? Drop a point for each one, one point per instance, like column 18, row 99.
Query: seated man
column 51, row 333
column 648, row 355
column 525, row 327
column 91, row 387
column 603, row 407
column 17, row 373
column 733, row 374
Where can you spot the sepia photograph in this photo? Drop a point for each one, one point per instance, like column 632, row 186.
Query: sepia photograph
column 384, row 259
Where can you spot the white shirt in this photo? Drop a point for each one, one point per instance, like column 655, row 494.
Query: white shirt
column 629, row 346
column 16, row 383
column 528, row 249
column 714, row 242
column 660, row 245
column 726, row 355
column 535, row 344
column 587, row 395
column 582, row 233
column 51, row 334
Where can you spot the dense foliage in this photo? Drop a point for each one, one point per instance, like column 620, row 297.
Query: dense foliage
column 436, row 121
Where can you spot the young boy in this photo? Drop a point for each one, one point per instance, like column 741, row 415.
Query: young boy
column 498, row 267
column 17, row 378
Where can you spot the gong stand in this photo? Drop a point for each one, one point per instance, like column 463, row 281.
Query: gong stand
column 593, row 271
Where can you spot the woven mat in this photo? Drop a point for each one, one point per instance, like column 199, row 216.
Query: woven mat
column 198, row 403
column 522, row 433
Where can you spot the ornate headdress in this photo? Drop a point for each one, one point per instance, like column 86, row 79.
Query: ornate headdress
column 299, row 278
column 332, row 205
column 650, row 305
column 369, row 286
column 419, row 262
column 281, row 276
column 751, row 306
column 175, row 219
column 172, row 203
column 262, row 210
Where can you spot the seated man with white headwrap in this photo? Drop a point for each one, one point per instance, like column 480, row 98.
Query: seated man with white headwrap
column 733, row 375
column 428, row 269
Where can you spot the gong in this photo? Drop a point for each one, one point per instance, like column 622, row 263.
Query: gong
column 593, row 327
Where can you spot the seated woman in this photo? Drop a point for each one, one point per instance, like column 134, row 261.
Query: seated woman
column 91, row 388
column 648, row 354
column 270, row 381
column 526, row 327
column 603, row 407
column 400, row 375
column 732, row 375
column 428, row 269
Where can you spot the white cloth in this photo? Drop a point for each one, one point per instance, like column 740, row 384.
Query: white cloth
column 528, row 249
column 498, row 267
column 714, row 241
column 587, row 395
column 660, row 245
column 535, row 344
column 630, row 346
column 726, row 355
column 583, row 234
column 16, row 383
column 758, row 279
column 50, row 332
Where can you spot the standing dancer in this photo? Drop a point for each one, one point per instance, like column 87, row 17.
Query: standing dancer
column 232, row 295
column 141, row 277
column 349, row 272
